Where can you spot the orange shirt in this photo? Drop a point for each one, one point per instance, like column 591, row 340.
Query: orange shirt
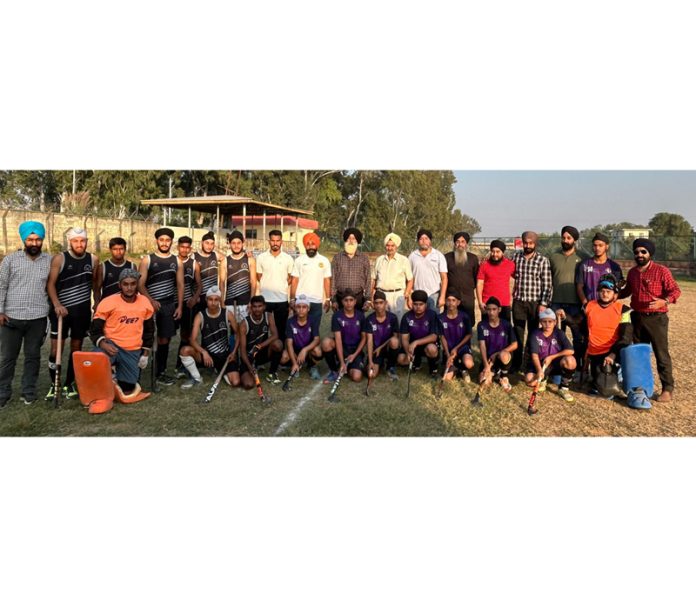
column 603, row 325
column 124, row 321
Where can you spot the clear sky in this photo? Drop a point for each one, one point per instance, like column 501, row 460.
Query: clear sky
column 507, row 202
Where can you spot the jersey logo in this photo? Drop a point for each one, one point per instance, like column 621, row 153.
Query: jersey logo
column 321, row 264
column 444, row 324
column 127, row 321
column 88, row 268
column 486, row 332
column 172, row 265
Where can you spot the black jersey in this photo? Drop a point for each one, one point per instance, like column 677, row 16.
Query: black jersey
column 209, row 272
column 215, row 332
column 161, row 278
column 110, row 274
column 74, row 284
column 238, row 281
column 189, row 278
column 257, row 331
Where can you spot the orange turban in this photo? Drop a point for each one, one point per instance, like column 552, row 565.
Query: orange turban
column 311, row 240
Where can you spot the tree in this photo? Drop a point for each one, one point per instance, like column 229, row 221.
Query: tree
column 673, row 236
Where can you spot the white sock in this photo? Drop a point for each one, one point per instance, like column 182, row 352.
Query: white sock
column 190, row 365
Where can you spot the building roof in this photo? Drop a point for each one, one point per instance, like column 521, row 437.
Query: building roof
column 273, row 221
column 210, row 204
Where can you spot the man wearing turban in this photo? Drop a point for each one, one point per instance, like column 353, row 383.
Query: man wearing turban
column 462, row 271
column 23, row 311
column 350, row 270
column 393, row 276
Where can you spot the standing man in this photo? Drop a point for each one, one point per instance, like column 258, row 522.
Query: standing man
column 273, row 272
column 493, row 280
column 532, row 294
column 240, row 272
column 162, row 282
column 110, row 270
column 462, row 272
column 311, row 276
column 429, row 270
column 212, row 266
column 565, row 301
column 351, row 272
column 589, row 271
column 652, row 288
column 393, row 277
column 23, row 311
column 71, row 283
column 192, row 296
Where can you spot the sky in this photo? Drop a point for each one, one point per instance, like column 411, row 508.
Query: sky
column 507, row 202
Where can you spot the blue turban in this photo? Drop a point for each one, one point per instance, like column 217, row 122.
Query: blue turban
column 31, row 227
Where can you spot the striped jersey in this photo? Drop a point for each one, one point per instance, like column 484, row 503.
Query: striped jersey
column 74, row 284
column 161, row 278
column 238, row 281
column 209, row 271
column 110, row 274
column 189, row 278
column 214, row 332
column 257, row 332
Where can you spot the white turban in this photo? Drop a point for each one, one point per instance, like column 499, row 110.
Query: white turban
column 394, row 238
column 212, row 291
column 76, row 233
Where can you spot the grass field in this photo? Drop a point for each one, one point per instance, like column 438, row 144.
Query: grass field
column 305, row 410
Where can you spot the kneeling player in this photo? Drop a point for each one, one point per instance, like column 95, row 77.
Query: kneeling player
column 382, row 333
column 420, row 329
column 259, row 343
column 302, row 341
column 551, row 348
column 456, row 339
column 343, row 351
column 497, row 342
column 123, row 328
column 213, row 324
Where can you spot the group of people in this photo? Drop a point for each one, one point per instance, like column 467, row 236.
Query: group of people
column 236, row 312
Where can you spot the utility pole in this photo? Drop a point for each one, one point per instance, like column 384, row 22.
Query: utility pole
column 74, row 182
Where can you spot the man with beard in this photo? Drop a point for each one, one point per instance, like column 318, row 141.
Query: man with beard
column 240, row 272
column 71, row 283
column 429, row 270
column 192, row 296
column 565, row 301
column 110, row 270
column 652, row 288
column 493, row 280
column 212, row 266
column 462, row 270
column 311, row 275
column 351, row 272
column 162, row 282
column 393, row 276
column 589, row 271
column 273, row 270
column 532, row 294
column 23, row 311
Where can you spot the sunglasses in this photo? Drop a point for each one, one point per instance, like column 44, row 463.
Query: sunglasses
column 641, row 252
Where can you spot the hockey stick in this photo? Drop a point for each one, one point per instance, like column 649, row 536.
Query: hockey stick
column 369, row 371
column 59, row 355
column 332, row 394
column 216, row 383
column 531, row 409
column 408, row 381
column 293, row 375
column 441, row 385
column 257, row 381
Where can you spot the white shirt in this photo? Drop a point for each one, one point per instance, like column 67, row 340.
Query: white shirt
column 311, row 272
column 426, row 270
column 274, row 272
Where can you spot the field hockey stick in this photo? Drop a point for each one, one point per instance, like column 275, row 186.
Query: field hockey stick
column 408, row 381
column 332, row 394
column 369, row 371
column 441, row 386
column 531, row 409
column 216, row 383
column 257, row 381
column 59, row 356
column 293, row 375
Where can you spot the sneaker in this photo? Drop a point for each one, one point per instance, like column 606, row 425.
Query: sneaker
column 70, row 391
column 314, row 373
column 467, row 378
column 51, row 394
column 565, row 394
column 505, row 384
column 273, row 378
column 331, row 377
column 166, row 380
column 181, row 373
column 190, row 383
column 391, row 373
column 28, row 400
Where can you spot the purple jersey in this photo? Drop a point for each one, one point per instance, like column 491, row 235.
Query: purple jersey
column 455, row 329
column 301, row 335
column 418, row 328
column 588, row 272
column 546, row 346
column 350, row 328
column 381, row 331
column 496, row 338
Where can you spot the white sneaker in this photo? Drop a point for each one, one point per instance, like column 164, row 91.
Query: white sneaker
column 190, row 383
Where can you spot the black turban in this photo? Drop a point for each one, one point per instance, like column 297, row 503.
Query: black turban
column 235, row 234
column 572, row 231
column 208, row 236
column 419, row 295
column 425, row 232
column 645, row 243
column 355, row 232
column 600, row 236
column 498, row 244
column 458, row 235
column 164, row 232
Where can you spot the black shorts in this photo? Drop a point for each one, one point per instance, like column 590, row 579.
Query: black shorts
column 554, row 369
column 498, row 365
column 261, row 359
column 419, row 352
column 164, row 320
column 75, row 324
column 358, row 362
column 219, row 361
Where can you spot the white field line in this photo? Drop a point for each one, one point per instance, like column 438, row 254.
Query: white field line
column 292, row 416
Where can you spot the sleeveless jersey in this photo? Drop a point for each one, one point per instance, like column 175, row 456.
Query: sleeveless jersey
column 110, row 274
column 74, row 284
column 257, row 332
column 214, row 332
column 189, row 278
column 161, row 278
column 209, row 272
column 238, row 281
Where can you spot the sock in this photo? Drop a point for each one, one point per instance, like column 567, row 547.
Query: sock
column 566, row 377
column 162, row 356
column 432, row 364
column 331, row 360
column 275, row 361
column 190, row 365
column 52, row 369
column 70, row 374
column 391, row 357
